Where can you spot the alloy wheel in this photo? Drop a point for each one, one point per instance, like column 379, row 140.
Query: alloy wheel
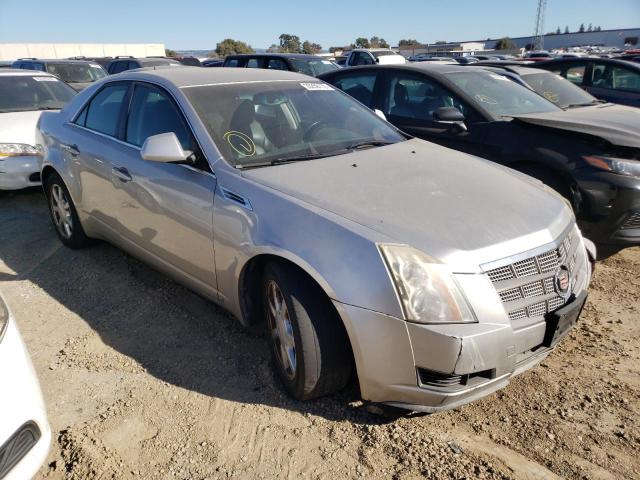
column 281, row 329
column 61, row 211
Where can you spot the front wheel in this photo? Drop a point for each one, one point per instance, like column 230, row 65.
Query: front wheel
column 309, row 345
column 63, row 213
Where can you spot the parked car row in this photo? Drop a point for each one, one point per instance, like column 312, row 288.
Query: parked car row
column 262, row 189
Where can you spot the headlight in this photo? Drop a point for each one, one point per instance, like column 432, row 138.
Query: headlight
column 19, row 149
column 4, row 318
column 615, row 165
column 427, row 290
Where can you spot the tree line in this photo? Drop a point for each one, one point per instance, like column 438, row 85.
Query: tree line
column 288, row 43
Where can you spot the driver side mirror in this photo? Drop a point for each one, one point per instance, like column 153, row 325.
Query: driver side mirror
column 164, row 148
column 451, row 116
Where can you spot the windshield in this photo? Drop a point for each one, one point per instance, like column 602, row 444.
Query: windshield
column 500, row 96
column 77, row 72
column 558, row 90
column 312, row 66
column 160, row 62
column 22, row 93
column 262, row 123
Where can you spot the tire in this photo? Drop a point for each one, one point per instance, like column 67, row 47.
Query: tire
column 63, row 214
column 321, row 361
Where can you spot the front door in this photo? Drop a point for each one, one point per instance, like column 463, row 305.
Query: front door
column 165, row 210
column 410, row 100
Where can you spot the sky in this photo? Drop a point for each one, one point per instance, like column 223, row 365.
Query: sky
column 200, row 24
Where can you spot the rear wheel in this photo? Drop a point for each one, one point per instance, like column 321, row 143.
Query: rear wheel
column 309, row 345
column 63, row 213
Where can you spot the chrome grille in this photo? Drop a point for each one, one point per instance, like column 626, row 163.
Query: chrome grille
column 526, row 297
column 632, row 222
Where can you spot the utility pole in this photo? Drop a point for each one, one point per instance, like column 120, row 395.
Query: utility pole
column 538, row 33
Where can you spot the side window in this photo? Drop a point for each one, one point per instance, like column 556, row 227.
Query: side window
column 359, row 85
column 152, row 112
column 132, row 64
column 252, row 63
column 27, row 66
column 233, row 62
column 116, row 67
column 103, row 112
column 417, row 98
column 39, row 66
column 615, row 78
column 82, row 118
column 363, row 58
column 575, row 73
column 277, row 64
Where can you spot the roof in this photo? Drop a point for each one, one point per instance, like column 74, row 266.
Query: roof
column 192, row 76
column 520, row 70
column 283, row 55
column 10, row 72
column 54, row 60
column 613, row 61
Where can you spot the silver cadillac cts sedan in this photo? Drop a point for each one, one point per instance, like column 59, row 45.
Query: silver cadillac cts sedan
column 432, row 275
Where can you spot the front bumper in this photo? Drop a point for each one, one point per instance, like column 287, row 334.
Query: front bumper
column 19, row 172
column 434, row 367
column 609, row 204
column 22, row 410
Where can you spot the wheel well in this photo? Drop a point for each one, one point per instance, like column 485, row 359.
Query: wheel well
column 46, row 173
column 251, row 298
column 250, row 283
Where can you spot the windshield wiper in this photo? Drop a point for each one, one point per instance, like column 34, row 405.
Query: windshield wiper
column 578, row 105
column 283, row 160
column 367, row 144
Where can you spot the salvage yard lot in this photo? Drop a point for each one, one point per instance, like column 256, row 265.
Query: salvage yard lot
column 145, row 379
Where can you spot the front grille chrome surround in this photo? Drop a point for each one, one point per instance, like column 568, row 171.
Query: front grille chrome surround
column 527, row 286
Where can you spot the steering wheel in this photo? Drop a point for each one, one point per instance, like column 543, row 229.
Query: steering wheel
column 313, row 128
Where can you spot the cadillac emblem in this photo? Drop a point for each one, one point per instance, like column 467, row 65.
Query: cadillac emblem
column 562, row 281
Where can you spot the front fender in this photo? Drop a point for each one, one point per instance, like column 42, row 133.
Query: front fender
column 341, row 256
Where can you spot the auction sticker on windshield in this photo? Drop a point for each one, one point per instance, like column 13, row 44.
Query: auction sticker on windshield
column 45, row 79
column 316, row 86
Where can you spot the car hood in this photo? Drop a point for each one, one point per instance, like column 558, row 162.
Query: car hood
column 19, row 127
column 459, row 209
column 616, row 123
column 79, row 86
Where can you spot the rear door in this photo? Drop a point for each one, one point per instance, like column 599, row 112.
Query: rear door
column 165, row 210
column 91, row 145
column 361, row 84
column 615, row 83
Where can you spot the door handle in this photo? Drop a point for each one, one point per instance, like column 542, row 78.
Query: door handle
column 121, row 174
column 72, row 149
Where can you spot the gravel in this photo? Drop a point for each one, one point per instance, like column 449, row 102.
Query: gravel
column 144, row 379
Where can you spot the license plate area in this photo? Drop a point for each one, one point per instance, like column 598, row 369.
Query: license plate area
column 560, row 322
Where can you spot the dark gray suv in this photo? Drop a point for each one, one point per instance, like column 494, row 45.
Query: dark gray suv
column 79, row 74
column 121, row 64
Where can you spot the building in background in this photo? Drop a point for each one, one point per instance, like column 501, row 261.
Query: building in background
column 619, row 38
column 13, row 51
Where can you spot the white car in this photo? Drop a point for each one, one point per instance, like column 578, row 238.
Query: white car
column 371, row 56
column 24, row 94
column 25, row 434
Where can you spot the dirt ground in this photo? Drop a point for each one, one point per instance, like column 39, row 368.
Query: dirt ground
column 144, row 379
